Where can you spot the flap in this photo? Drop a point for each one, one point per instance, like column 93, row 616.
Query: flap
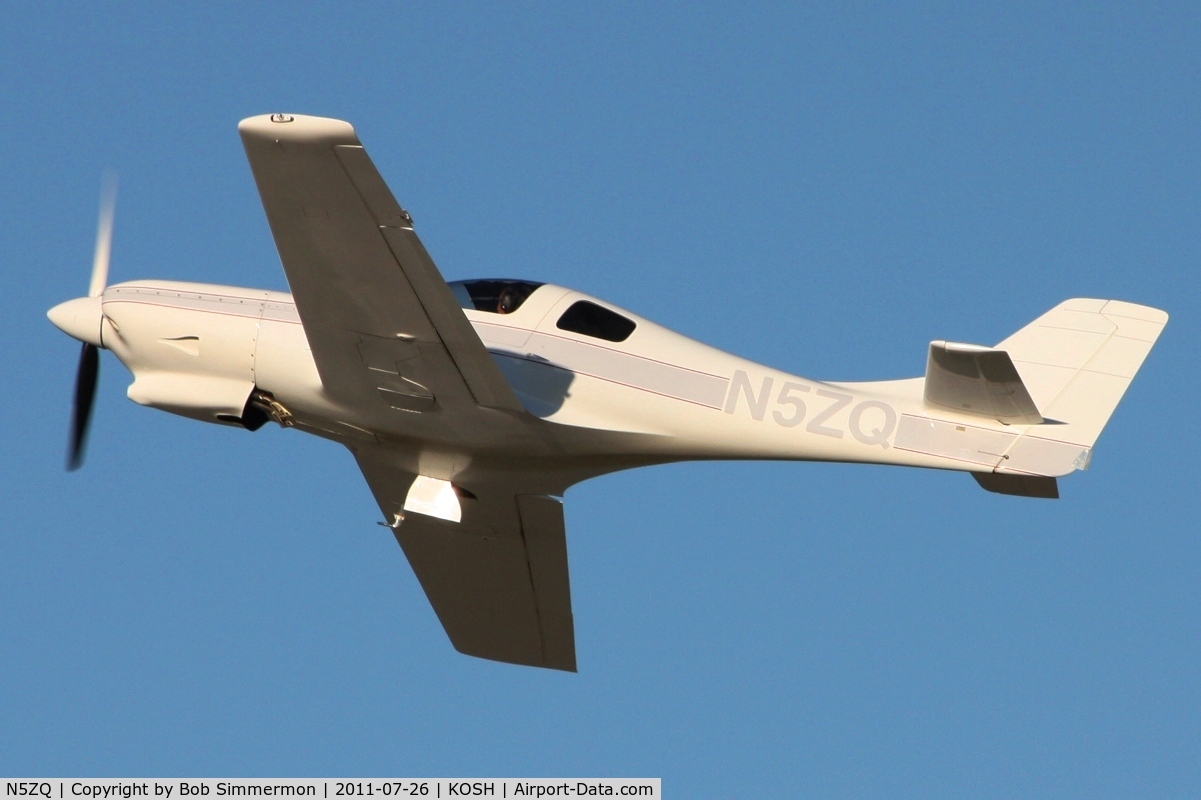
column 973, row 379
column 1019, row 485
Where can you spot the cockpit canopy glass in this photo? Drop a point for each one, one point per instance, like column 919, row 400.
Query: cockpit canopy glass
column 496, row 296
column 593, row 320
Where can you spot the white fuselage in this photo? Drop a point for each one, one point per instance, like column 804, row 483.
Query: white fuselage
column 200, row 350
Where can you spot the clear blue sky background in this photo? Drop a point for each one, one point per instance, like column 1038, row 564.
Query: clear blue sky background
column 821, row 190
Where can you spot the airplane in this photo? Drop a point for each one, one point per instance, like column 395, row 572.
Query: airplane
column 472, row 406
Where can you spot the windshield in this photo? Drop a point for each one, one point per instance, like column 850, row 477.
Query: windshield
column 495, row 295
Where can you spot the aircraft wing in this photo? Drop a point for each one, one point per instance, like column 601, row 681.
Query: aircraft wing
column 498, row 579
column 385, row 331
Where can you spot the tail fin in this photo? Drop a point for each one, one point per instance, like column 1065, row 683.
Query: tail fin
column 1076, row 362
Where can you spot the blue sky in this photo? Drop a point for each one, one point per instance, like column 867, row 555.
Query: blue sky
column 824, row 190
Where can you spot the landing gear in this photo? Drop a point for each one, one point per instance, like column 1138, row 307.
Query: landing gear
column 262, row 408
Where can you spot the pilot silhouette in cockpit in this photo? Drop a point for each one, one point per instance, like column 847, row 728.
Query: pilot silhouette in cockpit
column 511, row 297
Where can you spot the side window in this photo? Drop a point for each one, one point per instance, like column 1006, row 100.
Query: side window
column 593, row 320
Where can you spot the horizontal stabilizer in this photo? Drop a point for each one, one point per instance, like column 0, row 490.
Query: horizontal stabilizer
column 973, row 379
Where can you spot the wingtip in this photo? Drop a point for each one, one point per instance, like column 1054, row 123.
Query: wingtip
column 298, row 128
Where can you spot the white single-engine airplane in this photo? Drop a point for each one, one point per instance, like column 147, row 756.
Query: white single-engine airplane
column 471, row 406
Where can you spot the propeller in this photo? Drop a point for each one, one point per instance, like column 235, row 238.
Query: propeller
column 81, row 411
column 89, row 357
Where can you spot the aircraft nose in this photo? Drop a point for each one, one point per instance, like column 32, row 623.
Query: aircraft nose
column 80, row 318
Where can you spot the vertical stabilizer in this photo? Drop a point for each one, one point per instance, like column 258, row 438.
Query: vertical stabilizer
column 1076, row 362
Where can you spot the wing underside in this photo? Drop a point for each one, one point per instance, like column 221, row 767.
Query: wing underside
column 498, row 580
column 387, row 335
